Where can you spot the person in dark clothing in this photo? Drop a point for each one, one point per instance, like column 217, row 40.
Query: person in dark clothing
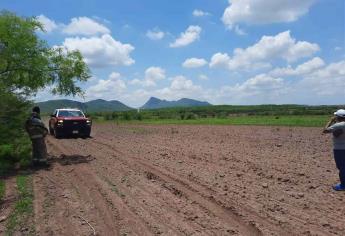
column 336, row 126
column 37, row 132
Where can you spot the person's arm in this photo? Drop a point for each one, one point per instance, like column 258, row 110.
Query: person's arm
column 329, row 123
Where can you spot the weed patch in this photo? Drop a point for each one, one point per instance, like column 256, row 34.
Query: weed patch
column 2, row 190
column 20, row 218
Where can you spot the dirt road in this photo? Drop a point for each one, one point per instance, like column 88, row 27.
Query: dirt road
column 190, row 180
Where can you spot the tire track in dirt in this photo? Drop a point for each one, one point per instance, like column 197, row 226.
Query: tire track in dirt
column 276, row 219
column 107, row 210
column 152, row 177
column 53, row 213
column 156, row 222
column 193, row 192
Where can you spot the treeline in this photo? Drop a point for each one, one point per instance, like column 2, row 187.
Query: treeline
column 223, row 111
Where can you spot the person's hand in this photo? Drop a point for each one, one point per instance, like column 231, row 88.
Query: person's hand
column 334, row 119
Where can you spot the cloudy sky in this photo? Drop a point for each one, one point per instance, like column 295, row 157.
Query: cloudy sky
column 222, row 51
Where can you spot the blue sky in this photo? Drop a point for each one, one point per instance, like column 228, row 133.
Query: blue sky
column 225, row 52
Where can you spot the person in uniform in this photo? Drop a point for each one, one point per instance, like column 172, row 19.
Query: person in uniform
column 336, row 126
column 37, row 132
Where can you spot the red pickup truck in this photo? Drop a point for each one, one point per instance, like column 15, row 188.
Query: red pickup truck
column 65, row 122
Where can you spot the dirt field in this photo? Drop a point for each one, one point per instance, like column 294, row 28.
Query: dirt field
column 190, row 180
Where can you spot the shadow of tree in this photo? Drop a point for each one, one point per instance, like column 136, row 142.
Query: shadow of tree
column 63, row 160
column 74, row 137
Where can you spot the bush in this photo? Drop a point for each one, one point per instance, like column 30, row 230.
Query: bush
column 126, row 116
column 14, row 142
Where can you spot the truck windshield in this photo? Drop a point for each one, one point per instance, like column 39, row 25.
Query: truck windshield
column 71, row 114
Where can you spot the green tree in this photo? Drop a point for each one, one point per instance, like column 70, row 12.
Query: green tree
column 27, row 65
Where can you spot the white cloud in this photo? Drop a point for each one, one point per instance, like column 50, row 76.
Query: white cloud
column 101, row 51
column 110, row 88
column 325, row 85
column 269, row 48
column 239, row 31
column 315, row 84
column 191, row 34
column 303, row 69
column 180, row 87
column 200, row 13
column 259, row 89
column 194, row 62
column 259, row 84
column 155, row 34
column 203, row 77
column 48, row 24
column 220, row 60
column 136, row 82
column 153, row 74
column 253, row 12
column 85, row 26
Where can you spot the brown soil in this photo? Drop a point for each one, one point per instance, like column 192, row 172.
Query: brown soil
column 190, row 180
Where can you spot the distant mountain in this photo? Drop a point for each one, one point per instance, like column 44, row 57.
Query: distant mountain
column 155, row 103
column 103, row 105
column 98, row 105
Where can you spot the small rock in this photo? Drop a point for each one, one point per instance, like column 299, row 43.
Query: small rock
column 279, row 145
column 265, row 185
column 239, row 174
column 300, row 195
column 312, row 187
column 282, row 199
column 2, row 218
column 180, row 161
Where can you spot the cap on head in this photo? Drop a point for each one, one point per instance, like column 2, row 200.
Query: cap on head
column 36, row 109
column 340, row 113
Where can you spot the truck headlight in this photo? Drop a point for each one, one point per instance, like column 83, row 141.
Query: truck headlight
column 88, row 122
column 60, row 122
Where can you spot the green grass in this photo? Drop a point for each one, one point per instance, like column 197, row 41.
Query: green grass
column 23, row 210
column 2, row 189
column 286, row 120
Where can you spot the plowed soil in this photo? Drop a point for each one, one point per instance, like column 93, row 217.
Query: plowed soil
column 190, row 180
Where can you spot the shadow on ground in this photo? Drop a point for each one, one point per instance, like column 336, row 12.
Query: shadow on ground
column 63, row 160
column 71, row 159
column 74, row 137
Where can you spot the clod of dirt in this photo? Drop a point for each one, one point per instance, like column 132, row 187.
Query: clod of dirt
column 2, row 218
column 151, row 176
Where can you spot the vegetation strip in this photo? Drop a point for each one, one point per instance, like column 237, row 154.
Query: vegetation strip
column 2, row 190
column 23, row 209
column 297, row 121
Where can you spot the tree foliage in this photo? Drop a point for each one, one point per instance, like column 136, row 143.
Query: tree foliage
column 27, row 65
